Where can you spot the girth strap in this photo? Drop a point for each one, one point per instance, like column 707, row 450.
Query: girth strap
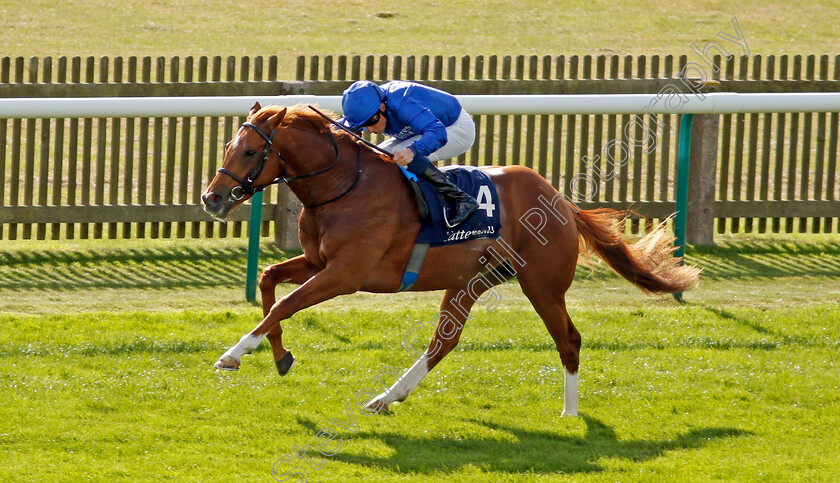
column 412, row 269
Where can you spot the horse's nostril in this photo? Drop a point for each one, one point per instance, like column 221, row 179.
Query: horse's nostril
column 210, row 199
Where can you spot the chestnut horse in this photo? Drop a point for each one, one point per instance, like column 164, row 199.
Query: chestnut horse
column 360, row 222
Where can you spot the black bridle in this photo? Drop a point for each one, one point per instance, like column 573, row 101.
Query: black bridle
column 246, row 186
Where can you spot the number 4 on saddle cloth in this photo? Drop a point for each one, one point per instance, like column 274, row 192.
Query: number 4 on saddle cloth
column 484, row 223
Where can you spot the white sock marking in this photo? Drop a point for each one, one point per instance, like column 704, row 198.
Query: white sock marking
column 570, row 394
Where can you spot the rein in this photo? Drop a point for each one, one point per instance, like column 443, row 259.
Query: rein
column 246, row 186
column 353, row 133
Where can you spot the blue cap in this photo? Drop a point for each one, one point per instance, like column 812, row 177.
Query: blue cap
column 360, row 102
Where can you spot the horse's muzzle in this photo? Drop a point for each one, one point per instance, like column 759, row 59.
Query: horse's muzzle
column 216, row 205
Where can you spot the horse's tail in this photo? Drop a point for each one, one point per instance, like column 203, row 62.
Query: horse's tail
column 648, row 263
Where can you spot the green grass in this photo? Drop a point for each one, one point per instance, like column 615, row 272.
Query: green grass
column 672, row 392
column 112, row 379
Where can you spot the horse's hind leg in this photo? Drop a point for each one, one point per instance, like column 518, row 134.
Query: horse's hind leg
column 548, row 298
column 454, row 312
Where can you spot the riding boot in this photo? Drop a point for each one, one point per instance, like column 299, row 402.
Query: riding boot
column 465, row 205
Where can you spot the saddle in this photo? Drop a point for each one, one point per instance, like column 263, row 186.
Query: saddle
column 484, row 223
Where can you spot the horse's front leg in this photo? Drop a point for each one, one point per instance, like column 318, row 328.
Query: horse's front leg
column 336, row 279
column 296, row 270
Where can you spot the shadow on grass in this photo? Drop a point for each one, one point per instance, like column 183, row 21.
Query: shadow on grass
column 784, row 339
column 531, row 452
column 186, row 265
column 768, row 259
column 748, row 259
column 157, row 267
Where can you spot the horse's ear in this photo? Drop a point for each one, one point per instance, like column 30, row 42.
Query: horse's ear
column 275, row 119
column 256, row 107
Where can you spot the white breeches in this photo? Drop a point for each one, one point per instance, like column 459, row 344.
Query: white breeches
column 459, row 138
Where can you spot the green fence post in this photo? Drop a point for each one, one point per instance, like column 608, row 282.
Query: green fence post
column 253, row 247
column 682, row 187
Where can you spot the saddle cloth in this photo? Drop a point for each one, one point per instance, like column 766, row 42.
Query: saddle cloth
column 484, row 223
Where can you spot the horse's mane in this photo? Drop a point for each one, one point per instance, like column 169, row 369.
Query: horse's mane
column 301, row 116
column 294, row 114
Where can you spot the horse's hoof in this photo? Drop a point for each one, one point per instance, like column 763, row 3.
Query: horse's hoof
column 227, row 363
column 377, row 405
column 284, row 365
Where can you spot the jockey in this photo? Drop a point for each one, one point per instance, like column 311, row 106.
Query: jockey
column 426, row 125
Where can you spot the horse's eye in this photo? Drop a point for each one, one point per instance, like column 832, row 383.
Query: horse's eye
column 250, row 153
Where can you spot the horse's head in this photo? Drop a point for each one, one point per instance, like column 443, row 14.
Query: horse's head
column 250, row 164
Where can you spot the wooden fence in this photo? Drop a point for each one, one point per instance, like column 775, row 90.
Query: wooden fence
column 116, row 178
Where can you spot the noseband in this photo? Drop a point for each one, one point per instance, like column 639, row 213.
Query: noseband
column 246, row 186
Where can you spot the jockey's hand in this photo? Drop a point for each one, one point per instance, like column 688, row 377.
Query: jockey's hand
column 404, row 157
